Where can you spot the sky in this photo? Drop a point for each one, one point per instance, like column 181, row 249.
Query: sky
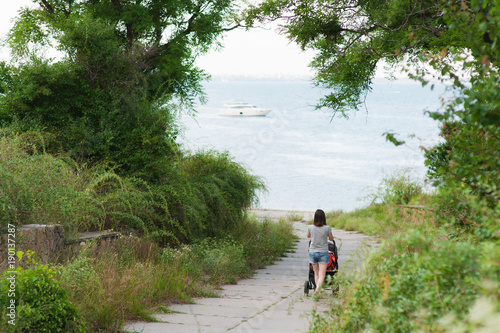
column 258, row 52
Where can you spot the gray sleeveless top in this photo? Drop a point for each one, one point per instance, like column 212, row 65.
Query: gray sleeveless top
column 319, row 238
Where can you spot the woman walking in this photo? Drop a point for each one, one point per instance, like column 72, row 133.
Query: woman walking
column 319, row 233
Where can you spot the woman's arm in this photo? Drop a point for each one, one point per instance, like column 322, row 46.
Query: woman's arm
column 308, row 234
column 330, row 236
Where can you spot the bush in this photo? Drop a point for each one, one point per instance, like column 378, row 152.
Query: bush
column 41, row 303
column 398, row 188
column 465, row 169
column 205, row 194
column 88, row 122
column 223, row 261
column 210, row 193
column 412, row 284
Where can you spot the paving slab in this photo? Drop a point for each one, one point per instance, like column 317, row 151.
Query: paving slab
column 200, row 320
column 272, row 301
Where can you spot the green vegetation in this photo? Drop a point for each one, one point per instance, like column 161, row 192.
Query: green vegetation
column 88, row 139
column 41, row 303
column 425, row 276
column 133, row 277
column 102, row 285
column 398, row 188
column 420, row 283
column 206, row 194
column 381, row 220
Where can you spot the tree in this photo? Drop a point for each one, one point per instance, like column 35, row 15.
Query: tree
column 457, row 39
column 121, row 65
column 351, row 37
column 115, row 40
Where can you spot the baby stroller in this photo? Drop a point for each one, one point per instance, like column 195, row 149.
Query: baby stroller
column 331, row 270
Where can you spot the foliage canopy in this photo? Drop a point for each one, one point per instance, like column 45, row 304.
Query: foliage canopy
column 351, row 37
column 123, row 68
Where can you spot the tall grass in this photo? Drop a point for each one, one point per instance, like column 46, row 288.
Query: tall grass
column 264, row 241
column 133, row 277
column 40, row 188
column 119, row 282
column 199, row 201
column 423, row 277
column 204, row 194
column 381, row 220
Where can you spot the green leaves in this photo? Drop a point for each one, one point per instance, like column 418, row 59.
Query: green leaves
column 109, row 97
column 41, row 303
column 415, row 282
column 392, row 138
column 29, row 34
column 350, row 38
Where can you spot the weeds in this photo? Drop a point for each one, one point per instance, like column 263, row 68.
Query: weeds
column 200, row 195
column 423, row 277
column 132, row 276
column 398, row 188
column 381, row 220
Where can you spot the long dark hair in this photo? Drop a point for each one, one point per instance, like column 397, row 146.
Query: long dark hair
column 319, row 218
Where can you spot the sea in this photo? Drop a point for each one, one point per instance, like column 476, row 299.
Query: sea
column 309, row 159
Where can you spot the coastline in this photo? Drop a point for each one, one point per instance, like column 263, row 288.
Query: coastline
column 282, row 213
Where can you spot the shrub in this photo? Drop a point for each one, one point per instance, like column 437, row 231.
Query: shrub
column 398, row 188
column 41, row 303
column 210, row 193
column 112, row 282
column 465, row 169
column 205, row 194
column 223, row 260
column 413, row 284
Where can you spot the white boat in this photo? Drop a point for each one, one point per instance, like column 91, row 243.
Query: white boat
column 241, row 109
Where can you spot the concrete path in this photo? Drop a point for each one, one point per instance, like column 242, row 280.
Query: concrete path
column 273, row 301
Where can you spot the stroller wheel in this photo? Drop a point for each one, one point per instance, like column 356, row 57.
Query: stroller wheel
column 306, row 288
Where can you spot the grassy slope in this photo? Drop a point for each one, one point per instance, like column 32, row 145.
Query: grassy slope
column 422, row 279
column 135, row 274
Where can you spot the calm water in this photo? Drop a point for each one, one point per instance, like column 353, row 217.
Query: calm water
column 308, row 160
